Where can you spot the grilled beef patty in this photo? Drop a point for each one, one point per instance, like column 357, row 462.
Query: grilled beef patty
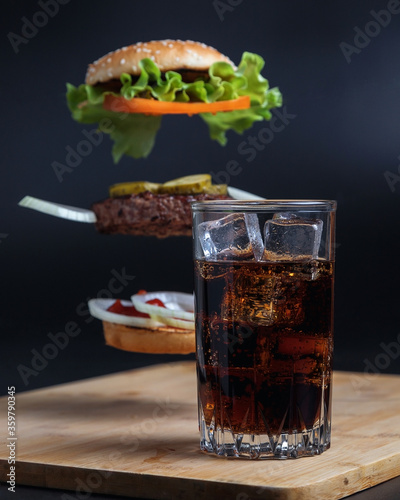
column 148, row 214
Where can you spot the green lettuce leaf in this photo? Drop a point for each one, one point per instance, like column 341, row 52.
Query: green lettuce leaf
column 261, row 97
column 134, row 134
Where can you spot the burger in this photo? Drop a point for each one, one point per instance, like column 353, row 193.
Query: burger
column 126, row 92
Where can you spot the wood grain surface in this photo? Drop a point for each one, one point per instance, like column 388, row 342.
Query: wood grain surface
column 135, row 434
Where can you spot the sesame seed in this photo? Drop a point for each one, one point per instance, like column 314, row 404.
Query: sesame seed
column 177, row 59
column 103, row 65
column 139, row 50
column 122, row 61
column 164, row 43
column 146, row 50
column 124, row 48
column 109, row 60
column 152, row 58
column 134, row 68
column 170, row 45
column 157, row 51
column 109, row 73
column 92, row 70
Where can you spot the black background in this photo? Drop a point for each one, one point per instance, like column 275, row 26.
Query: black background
column 343, row 135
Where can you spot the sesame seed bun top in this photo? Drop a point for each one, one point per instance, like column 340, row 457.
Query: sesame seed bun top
column 167, row 55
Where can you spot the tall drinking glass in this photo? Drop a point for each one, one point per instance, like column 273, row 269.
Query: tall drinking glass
column 264, row 326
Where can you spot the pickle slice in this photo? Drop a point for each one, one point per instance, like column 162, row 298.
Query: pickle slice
column 190, row 184
column 125, row 188
column 217, row 189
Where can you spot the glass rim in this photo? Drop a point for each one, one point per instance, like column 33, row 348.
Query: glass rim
column 264, row 205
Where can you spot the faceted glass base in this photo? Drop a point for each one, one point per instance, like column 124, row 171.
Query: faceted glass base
column 224, row 442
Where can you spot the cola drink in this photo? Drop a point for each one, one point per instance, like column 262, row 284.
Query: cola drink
column 264, row 333
column 264, row 326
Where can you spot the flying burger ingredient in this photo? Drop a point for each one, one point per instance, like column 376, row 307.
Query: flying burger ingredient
column 190, row 184
column 165, row 309
column 154, row 79
column 218, row 190
column 148, row 214
column 155, row 302
column 98, row 308
column 153, row 107
column 124, row 188
column 128, row 310
column 57, row 210
column 176, row 305
column 177, row 323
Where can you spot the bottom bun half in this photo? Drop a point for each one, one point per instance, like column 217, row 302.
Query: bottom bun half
column 164, row 340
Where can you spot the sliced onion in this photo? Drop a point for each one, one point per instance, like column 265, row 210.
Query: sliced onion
column 177, row 323
column 98, row 309
column 178, row 305
column 62, row 211
column 239, row 194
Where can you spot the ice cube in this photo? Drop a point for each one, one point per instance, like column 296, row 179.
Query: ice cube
column 290, row 237
column 235, row 236
column 285, row 215
column 248, row 296
column 255, row 237
column 266, row 295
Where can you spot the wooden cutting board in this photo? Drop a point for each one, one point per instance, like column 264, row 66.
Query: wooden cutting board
column 135, row 434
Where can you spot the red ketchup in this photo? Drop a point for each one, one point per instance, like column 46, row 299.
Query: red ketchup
column 156, row 302
column 119, row 308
